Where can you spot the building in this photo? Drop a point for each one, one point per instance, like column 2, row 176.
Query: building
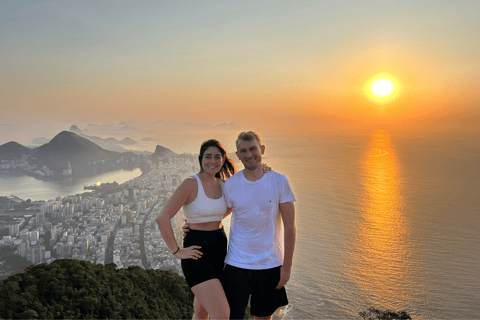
column 36, row 254
column 22, row 249
column 131, row 195
column 13, row 229
column 40, row 218
column 54, row 233
column 34, row 235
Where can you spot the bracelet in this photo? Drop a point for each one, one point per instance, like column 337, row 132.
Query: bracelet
column 176, row 251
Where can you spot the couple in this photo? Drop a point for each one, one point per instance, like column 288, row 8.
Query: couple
column 255, row 264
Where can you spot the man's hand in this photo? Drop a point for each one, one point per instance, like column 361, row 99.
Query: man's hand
column 284, row 276
column 185, row 228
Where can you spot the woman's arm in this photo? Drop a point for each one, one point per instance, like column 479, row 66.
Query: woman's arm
column 180, row 197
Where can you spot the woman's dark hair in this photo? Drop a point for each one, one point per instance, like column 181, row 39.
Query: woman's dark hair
column 228, row 167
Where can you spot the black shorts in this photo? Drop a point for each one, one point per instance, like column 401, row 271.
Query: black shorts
column 240, row 283
column 210, row 265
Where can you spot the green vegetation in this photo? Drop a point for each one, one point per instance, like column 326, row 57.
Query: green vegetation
column 76, row 289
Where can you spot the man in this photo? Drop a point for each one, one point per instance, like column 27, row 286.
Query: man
column 256, row 264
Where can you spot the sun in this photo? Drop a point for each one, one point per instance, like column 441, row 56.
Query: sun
column 382, row 88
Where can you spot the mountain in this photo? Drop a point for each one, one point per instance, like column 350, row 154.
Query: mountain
column 12, row 150
column 163, row 152
column 127, row 141
column 70, row 147
column 75, row 129
column 111, row 144
column 80, row 152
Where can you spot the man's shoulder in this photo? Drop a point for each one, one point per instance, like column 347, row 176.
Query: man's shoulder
column 234, row 178
column 277, row 176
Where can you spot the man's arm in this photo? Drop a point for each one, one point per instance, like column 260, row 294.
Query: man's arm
column 287, row 211
column 229, row 210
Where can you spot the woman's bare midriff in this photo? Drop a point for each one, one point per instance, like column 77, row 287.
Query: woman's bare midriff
column 206, row 226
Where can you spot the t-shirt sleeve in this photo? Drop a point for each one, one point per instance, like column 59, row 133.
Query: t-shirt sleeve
column 286, row 193
column 227, row 197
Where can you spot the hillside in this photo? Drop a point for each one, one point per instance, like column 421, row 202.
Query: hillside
column 70, row 147
column 12, row 150
column 76, row 289
column 163, row 152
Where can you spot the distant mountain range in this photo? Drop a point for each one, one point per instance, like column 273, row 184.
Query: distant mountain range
column 107, row 143
column 69, row 147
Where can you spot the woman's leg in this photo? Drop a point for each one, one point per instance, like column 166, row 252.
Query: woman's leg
column 199, row 312
column 211, row 296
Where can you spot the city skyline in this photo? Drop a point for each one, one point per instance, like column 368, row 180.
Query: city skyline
column 108, row 224
column 275, row 67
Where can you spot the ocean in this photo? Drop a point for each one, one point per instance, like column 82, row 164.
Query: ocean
column 383, row 220
column 27, row 187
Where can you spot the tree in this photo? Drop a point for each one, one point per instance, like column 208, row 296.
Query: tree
column 29, row 314
column 79, row 289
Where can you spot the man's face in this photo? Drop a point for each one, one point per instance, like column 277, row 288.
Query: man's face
column 250, row 153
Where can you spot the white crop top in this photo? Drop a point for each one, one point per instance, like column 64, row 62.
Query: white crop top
column 204, row 209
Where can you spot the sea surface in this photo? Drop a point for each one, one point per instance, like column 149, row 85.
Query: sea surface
column 383, row 220
column 27, row 187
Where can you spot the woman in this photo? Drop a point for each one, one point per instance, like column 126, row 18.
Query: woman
column 205, row 246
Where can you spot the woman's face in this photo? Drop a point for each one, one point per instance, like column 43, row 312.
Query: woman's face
column 212, row 160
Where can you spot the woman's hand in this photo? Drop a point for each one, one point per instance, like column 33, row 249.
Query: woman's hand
column 189, row 253
column 266, row 168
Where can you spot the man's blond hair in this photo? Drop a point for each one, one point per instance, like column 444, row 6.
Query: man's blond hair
column 248, row 136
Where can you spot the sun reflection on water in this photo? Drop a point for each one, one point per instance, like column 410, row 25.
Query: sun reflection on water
column 379, row 261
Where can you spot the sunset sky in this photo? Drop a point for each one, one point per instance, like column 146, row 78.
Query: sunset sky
column 286, row 66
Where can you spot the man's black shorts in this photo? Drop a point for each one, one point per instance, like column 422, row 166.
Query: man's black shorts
column 240, row 283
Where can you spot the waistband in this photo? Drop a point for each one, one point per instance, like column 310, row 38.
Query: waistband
column 205, row 231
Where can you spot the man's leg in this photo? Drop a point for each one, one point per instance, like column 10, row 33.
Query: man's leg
column 265, row 298
column 237, row 285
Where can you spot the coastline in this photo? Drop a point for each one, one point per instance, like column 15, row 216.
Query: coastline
column 26, row 186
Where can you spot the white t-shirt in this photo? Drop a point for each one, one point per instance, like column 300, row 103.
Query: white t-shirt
column 256, row 233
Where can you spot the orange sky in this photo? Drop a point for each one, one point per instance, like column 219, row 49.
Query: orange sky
column 272, row 67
